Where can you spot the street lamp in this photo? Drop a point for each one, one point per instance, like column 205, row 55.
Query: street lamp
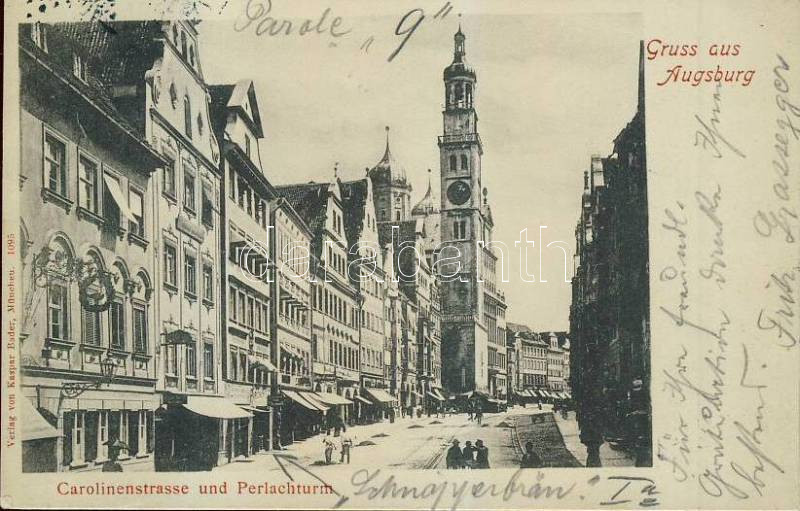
column 108, row 368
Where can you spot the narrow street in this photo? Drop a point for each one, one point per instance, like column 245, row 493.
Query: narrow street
column 421, row 443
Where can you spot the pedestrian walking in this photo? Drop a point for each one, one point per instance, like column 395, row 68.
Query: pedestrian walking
column 469, row 410
column 468, row 453
column 329, row 447
column 540, row 404
column 479, row 416
column 455, row 458
column 530, row 459
column 481, row 455
column 346, row 445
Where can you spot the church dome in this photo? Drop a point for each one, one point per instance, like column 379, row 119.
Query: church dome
column 459, row 67
column 388, row 168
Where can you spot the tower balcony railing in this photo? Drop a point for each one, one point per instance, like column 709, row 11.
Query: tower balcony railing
column 459, row 138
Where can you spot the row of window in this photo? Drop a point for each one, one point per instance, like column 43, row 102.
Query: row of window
column 289, row 311
column 92, row 322
column 337, row 261
column 190, row 360
column 239, row 368
column 98, row 189
column 248, row 308
column 533, row 365
column 342, row 355
column 371, row 357
column 189, row 272
column 248, row 199
column 333, row 305
column 190, row 186
column 454, row 161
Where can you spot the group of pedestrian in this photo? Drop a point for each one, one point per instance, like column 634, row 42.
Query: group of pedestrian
column 475, row 412
column 470, row 456
column 344, row 447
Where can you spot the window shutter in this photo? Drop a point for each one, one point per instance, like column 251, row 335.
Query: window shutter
column 90, row 435
column 151, row 441
column 133, row 432
column 69, row 422
column 113, row 426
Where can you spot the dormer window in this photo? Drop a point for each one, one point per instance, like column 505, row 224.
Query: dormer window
column 39, row 36
column 79, row 67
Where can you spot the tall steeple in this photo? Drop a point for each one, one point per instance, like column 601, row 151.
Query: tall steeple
column 640, row 105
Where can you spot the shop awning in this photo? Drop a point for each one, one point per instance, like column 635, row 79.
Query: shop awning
column 253, row 409
column 34, row 426
column 119, row 197
column 363, row 400
column 329, row 398
column 308, row 396
column 434, row 396
column 215, row 407
column 263, row 362
column 381, row 396
column 300, row 400
column 438, row 394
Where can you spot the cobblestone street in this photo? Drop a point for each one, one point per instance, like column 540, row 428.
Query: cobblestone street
column 421, row 443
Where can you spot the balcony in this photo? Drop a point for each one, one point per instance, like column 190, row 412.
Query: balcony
column 460, row 138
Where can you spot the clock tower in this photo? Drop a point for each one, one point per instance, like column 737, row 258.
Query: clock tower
column 463, row 221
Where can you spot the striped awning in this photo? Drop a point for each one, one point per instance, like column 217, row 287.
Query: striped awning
column 302, row 401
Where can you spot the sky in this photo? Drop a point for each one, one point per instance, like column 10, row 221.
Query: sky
column 552, row 90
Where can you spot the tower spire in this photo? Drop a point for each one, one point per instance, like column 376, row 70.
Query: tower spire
column 640, row 104
column 386, row 152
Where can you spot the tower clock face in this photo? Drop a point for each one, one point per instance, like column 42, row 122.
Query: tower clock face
column 458, row 193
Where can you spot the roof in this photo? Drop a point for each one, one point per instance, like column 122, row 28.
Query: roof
column 518, row 327
column 220, row 94
column 310, row 201
column 119, row 51
column 354, row 204
column 234, row 97
column 102, row 55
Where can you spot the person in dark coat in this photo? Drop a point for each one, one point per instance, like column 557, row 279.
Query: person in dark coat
column 530, row 459
column 114, row 448
column 455, row 458
column 481, row 455
column 469, row 454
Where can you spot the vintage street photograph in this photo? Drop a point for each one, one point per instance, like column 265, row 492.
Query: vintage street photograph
column 426, row 248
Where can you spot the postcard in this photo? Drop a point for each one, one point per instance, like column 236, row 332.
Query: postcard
column 384, row 254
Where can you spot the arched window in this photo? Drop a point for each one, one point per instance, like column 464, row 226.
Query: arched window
column 453, row 163
column 191, row 55
column 91, row 320
column 58, row 299
column 464, row 162
column 469, row 95
column 175, row 34
column 187, row 117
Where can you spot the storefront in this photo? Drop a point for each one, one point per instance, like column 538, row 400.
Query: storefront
column 303, row 416
column 39, row 440
column 196, row 433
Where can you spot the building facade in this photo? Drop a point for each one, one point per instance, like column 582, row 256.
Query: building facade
column 246, row 279
column 88, row 232
column 609, row 316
